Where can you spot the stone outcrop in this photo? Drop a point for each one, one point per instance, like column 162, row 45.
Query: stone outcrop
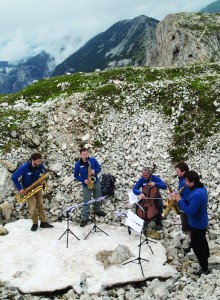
column 186, row 38
column 6, row 209
column 6, row 186
column 114, row 257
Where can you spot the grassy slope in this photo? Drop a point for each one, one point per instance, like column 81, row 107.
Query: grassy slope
column 195, row 89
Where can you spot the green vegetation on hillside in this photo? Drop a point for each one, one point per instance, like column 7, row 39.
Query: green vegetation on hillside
column 200, row 22
column 188, row 96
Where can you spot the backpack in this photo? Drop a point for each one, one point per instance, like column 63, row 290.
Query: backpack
column 108, row 185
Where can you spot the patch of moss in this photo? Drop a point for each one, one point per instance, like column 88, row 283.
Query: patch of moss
column 7, row 147
column 106, row 90
column 97, row 143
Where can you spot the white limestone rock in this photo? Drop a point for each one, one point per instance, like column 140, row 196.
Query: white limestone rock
column 6, row 209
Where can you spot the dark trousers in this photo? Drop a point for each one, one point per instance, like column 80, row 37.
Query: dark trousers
column 200, row 247
column 184, row 221
column 159, row 205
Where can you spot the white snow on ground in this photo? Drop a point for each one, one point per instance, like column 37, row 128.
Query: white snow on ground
column 39, row 262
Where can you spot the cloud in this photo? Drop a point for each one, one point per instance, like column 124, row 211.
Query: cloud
column 61, row 27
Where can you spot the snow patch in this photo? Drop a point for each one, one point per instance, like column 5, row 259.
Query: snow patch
column 38, row 262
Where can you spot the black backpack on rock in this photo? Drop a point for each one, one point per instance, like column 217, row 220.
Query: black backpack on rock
column 108, row 185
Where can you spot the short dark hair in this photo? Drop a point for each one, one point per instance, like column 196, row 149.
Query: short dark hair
column 83, row 150
column 182, row 166
column 36, row 156
column 192, row 176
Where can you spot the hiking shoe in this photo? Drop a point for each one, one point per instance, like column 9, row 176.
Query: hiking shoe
column 45, row 225
column 100, row 214
column 83, row 223
column 34, row 227
column 201, row 272
column 158, row 226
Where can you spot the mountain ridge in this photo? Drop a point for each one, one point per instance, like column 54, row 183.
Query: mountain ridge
column 213, row 7
column 124, row 43
column 14, row 77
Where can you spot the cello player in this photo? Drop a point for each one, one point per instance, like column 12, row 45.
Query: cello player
column 155, row 181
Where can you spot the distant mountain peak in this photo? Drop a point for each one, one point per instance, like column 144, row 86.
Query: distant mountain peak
column 14, row 77
column 124, row 43
column 213, row 7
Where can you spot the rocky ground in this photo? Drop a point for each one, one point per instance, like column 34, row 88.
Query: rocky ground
column 124, row 134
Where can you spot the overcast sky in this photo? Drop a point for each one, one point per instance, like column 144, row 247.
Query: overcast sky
column 29, row 26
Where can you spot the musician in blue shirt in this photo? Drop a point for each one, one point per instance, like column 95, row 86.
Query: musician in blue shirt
column 30, row 172
column 81, row 169
column 181, row 169
column 155, row 181
column 195, row 206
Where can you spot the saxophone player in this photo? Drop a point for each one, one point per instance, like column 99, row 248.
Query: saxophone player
column 181, row 169
column 30, row 172
column 86, row 171
column 195, row 206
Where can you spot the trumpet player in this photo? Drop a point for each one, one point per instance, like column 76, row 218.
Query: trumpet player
column 30, row 172
column 86, row 171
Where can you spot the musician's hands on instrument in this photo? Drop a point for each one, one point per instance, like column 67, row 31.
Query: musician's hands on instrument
column 23, row 192
column 173, row 194
column 177, row 197
column 142, row 196
column 86, row 181
column 92, row 172
column 151, row 183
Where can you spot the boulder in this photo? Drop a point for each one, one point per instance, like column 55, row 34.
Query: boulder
column 3, row 230
column 117, row 256
column 214, row 234
column 6, row 209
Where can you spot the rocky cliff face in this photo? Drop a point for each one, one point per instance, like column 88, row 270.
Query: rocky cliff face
column 125, row 43
column 185, row 39
column 14, row 77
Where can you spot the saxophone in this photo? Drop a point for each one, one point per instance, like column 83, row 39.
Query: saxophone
column 38, row 185
column 91, row 178
column 171, row 203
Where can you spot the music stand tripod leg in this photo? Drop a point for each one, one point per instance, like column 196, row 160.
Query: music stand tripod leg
column 95, row 227
column 67, row 231
column 139, row 259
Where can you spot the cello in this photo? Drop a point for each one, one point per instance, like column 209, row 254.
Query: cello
column 146, row 208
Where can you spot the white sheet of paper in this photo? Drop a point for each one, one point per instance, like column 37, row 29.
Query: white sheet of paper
column 130, row 223
column 132, row 197
column 135, row 218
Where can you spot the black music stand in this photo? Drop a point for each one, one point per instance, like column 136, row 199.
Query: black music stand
column 68, row 230
column 147, row 241
column 95, row 228
column 139, row 260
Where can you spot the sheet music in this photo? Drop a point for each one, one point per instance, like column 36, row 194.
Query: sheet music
column 133, row 199
column 74, row 207
column 130, row 223
column 135, row 218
